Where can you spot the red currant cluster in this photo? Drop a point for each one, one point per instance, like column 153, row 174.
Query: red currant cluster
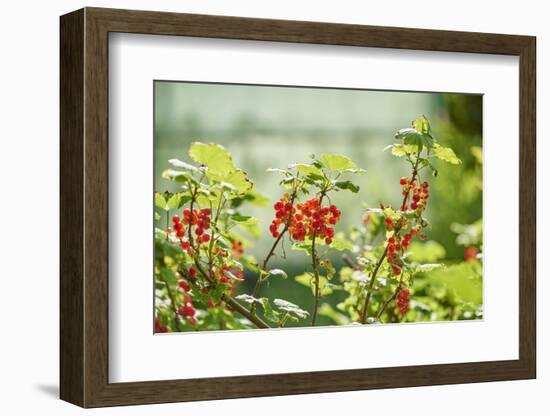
column 283, row 211
column 306, row 219
column 403, row 298
column 237, row 249
column 420, row 193
column 200, row 219
column 397, row 244
column 187, row 310
column 159, row 327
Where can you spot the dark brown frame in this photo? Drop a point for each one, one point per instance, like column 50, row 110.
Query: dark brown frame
column 84, row 208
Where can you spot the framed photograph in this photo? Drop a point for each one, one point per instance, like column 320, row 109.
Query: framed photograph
column 257, row 207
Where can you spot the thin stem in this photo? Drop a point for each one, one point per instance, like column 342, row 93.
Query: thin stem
column 270, row 254
column 167, row 223
column 260, row 279
column 315, row 265
column 391, row 298
column 364, row 311
column 173, row 304
column 350, row 262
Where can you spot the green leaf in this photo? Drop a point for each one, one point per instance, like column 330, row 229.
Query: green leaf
column 422, row 125
column 220, row 165
column 269, row 313
column 286, row 306
column 160, row 202
column 247, row 299
column 306, row 247
column 277, row 170
column 412, row 137
column 244, row 219
column 446, row 154
column 183, row 165
column 173, row 202
column 247, row 223
column 278, row 272
column 256, row 198
column 347, row 185
column 237, row 179
column 337, row 163
column 401, row 150
column 215, row 157
column 176, row 175
column 157, row 216
column 307, row 169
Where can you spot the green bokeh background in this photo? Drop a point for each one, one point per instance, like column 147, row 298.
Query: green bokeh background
column 269, row 126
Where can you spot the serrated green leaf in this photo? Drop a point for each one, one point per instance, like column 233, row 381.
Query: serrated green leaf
column 215, row 157
column 220, row 165
column 173, row 202
column 247, row 299
column 446, row 154
column 160, row 202
column 183, row 165
column 176, row 175
column 422, row 125
column 237, row 179
column 337, row 163
column 256, row 198
column 286, row 306
column 306, row 247
column 269, row 313
column 278, row 272
column 244, row 219
column 350, row 186
column 277, row 170
column 307, row 169
column 401, row 150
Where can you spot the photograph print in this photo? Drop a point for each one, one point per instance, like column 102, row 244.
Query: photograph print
column 296, row 206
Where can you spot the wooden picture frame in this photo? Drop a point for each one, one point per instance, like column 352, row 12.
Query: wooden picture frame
column 84, row 207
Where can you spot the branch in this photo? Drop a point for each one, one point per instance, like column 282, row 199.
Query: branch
column 228, row 299
column 270, row 254
column 173, row 304
column 364, row 311
column 391, row 298
column 315, row 265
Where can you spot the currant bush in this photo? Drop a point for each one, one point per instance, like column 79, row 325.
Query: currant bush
column 201, row 262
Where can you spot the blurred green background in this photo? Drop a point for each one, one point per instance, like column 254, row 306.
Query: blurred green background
column 265, row 126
